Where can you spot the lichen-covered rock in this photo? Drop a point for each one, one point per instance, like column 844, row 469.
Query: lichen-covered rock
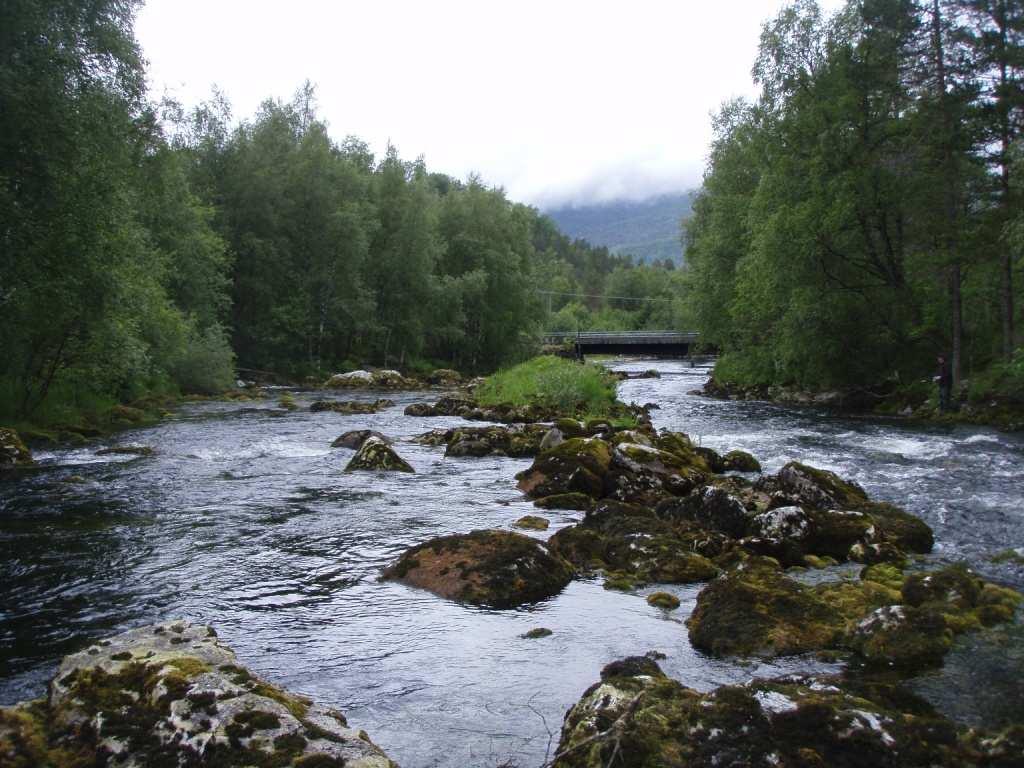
column 644, row 474
column 575, row 466
column 355, row 438
column 349, row 406
column 820, row 488
column 740, row 461
column 664, row 600
column 383, row 379
column 631, row 542
column 376, row 454
column 709, row 507
column 636, row 716
column 900, row 528
column 499, row 569
column 13, row 452
column 170, row 695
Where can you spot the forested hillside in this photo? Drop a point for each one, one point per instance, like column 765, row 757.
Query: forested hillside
column 649, row 230
column 864, row 214
column 151, row 248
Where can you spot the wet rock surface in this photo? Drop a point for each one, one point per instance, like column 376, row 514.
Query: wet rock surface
column 498, row 569
column 13, row 452
column 376, row 455
column 382, row 379
column 350, row 406
column 517, row 440
column 172, row 694
column 637, row 716
column 355, row 438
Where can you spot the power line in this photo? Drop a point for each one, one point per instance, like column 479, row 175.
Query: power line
column 596, row 296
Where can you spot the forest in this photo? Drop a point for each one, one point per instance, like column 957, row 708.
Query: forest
column 863, row 215
column 150, row 247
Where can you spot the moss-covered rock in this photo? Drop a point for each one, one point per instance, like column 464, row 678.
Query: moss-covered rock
column 516, row 440
column 383, row 379
column 740, row 461
column 537, row 633
column 355, row 438
column 499, row 569
column 579, row 502
column 13, row 452
column 638, row 718
column 709, row 507
column 820, row 488
column 445, row 377
column 375, row 454
column 900, row 528
column 755, row 610
column 287, row 401
column 532, row 523
column 664, row 600
column 171, row 695
column 576, row 466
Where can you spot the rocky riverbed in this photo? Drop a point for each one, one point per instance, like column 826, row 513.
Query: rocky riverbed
column 246, row 519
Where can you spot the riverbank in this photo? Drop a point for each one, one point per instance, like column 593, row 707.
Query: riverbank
column 914, row 404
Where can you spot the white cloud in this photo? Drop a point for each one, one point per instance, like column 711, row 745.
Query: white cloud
column 557, row 101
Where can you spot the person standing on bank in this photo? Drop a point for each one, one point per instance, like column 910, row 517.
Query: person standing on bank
column 945, row 380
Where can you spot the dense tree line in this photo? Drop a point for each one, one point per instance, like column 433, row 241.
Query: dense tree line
column 863, row 214
column 150, row 248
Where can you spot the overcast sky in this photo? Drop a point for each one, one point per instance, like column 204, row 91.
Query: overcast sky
column 557, row 101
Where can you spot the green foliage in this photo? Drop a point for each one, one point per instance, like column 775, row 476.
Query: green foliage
column 854, row 220
column 552, row 382
column 1002, row 381
column 206, row 365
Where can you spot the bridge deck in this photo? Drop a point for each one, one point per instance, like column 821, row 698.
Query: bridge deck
column 623, row 338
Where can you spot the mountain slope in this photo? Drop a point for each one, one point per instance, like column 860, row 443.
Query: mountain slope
column 649, row 230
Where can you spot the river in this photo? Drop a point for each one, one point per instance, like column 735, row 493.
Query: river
column 245, row 520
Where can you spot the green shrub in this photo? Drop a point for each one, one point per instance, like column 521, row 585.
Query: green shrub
column 1000, row 381
column 207, row 365
column 552, row 382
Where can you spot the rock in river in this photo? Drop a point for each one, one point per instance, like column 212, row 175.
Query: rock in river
column 637, row 716
column 355, row 438
column 376, row 454
column 493, row 568
column 173, row 695
column 13, row 452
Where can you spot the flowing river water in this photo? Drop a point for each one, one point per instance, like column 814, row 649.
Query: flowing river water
column 245, row 520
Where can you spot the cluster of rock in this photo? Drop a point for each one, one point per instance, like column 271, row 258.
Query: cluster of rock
column 517, row 440
column 393, row 380
column 350, row 406
column 471, row 410
column 172, row 694
column 13, row 452
column 638, row 716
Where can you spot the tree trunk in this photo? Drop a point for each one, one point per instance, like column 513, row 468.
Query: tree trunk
column 1005, row 139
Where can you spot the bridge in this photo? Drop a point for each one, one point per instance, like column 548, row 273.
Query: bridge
column 651, row 343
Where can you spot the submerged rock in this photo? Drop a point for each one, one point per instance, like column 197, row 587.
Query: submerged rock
column 637, row 716
column 355, row 438
column 376, row 454
column 499, row 569
column 126, row 450
column 170, row 695
column 13, row 452
column 664, row 600
column 350, row 406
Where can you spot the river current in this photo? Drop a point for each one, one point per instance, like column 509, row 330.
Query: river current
column 245, row 520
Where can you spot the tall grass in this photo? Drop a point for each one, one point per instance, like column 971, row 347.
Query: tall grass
column 553, row 382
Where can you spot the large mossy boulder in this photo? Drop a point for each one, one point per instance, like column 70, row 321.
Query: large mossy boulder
column 756, row 610
column 710, row 507
column 630, row 541
column 383, row 379
column 173, row 695
column 740, row 461
column 642, row 474
column 498, row 569
column 577, row 465
column 516, row 440
column 376, row 455
column 13, row 452
column 637, row 716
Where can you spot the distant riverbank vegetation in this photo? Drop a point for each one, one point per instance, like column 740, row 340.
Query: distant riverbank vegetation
column 149, row 248
column 864, row 214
